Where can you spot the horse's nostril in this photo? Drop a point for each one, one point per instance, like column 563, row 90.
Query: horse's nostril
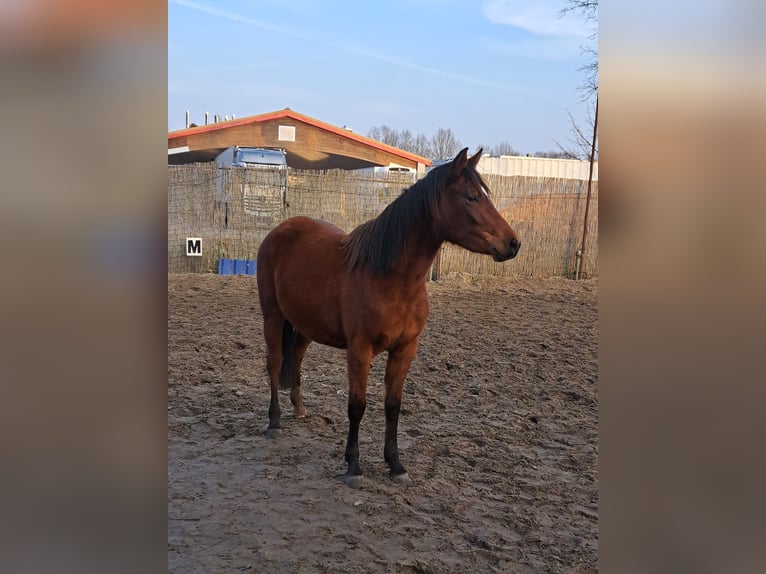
column 515, row 244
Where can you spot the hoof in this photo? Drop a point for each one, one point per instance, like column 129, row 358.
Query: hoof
column 355, row 481
column 403, row 478
column 272, row 432
column 300, row 414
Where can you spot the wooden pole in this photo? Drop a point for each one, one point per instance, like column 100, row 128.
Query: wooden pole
column 587, row 198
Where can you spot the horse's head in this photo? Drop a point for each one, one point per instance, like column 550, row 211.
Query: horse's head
column 467, row 216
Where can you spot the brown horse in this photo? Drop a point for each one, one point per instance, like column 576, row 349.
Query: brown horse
column 366, row 291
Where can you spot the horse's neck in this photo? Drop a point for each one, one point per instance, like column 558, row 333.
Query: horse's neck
column 419, row 252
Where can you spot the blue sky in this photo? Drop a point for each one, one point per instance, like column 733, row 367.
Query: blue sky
column 492, row 71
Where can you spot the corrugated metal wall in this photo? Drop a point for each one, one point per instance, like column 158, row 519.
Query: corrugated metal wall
column 537, row 167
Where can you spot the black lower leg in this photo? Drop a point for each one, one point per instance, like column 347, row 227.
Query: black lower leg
column 391, row 449
column 355, row 412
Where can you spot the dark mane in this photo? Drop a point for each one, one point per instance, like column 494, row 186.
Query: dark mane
column 378, row 243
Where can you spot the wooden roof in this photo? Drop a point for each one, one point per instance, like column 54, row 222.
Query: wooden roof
column 327, row 146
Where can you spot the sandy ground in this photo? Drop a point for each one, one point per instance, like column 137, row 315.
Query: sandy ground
column 498, row 431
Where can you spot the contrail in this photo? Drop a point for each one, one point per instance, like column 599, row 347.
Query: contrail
column 343, row 47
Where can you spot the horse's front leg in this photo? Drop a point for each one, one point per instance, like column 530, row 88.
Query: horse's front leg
column 358, row 369
column 398, row 364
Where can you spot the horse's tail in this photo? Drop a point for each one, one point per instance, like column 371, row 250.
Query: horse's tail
column 289, row 372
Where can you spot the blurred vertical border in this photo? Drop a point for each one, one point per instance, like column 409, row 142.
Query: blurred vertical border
column 682, row 286
column 83, row 106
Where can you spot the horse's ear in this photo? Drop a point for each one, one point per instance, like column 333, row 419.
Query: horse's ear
column 475, row 159
column 458, row 164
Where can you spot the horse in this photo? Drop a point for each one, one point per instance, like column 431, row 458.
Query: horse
column 365, row 291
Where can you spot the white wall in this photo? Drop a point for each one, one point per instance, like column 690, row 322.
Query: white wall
column 537, row 167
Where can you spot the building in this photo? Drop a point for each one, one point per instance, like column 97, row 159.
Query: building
column 309, row 143
column 537, row 167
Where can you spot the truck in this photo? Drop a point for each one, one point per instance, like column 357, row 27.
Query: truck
column 262, row 172
column 236, row 156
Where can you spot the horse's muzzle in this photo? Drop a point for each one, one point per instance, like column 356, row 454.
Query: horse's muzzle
column 511, row 248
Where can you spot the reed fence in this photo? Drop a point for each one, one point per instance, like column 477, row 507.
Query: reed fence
column 232, row 210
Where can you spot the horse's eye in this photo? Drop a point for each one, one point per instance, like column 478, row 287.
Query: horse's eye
column 472, row 198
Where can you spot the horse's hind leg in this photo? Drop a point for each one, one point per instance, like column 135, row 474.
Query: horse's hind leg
column 272, row 332
column 301, row 344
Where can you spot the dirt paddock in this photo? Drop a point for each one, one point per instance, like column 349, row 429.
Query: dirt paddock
column 498, row 432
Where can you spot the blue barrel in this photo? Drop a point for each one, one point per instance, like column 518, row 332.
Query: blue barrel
column 240, row 267
column 225, row 267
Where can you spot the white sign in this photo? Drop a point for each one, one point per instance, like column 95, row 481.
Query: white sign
column 286, row 134
column 194, row 247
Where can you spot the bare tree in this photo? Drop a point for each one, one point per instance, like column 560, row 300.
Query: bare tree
column 552, row 154
column 444, row 143
column 580, row 140
column 384, row 134
column 374, row 133
column 503, row 148
column 422, row 146
column 389, row 136
column 588, row 10
column 406, row 141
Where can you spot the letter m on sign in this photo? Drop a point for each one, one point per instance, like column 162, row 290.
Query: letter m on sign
column 194, row 247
